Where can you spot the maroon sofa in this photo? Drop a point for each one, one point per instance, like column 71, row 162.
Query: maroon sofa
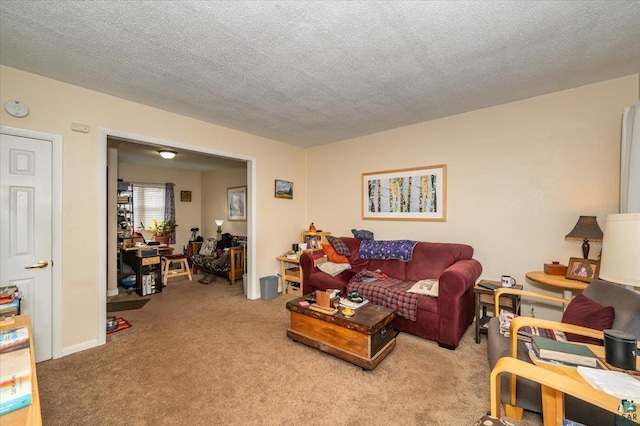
column 444, row 318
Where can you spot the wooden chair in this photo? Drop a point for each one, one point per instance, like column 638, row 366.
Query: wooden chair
column 627, row 318
column 554, row 386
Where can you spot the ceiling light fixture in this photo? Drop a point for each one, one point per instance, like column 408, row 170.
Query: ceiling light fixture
column 167, row 155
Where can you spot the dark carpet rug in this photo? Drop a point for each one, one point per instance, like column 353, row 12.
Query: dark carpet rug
column 126, row 305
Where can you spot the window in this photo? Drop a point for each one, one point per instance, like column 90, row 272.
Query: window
column 148, row 203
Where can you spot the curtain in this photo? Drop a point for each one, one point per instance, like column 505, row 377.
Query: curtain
column 170, row 207
column 630, row 160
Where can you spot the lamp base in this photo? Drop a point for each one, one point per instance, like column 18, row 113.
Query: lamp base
column 585, row 248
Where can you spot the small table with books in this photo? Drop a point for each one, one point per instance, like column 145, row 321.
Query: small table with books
column 553, row 399
column 29, row 414
column 364, row 339
column 484, row 300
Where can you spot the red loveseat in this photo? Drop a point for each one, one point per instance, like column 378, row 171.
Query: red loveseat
column 444, row 318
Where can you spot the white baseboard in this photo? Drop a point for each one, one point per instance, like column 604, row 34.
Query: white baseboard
column 80, row 347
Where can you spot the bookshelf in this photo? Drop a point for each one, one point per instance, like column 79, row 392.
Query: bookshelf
column 315, row 239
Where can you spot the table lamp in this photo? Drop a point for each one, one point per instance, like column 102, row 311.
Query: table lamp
column 219, row 222
column 620, row 264
column 620, row 261
column 586, row 229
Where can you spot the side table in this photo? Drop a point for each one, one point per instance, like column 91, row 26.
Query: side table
column 567, row 285
column 484, row 300
column 291, row 277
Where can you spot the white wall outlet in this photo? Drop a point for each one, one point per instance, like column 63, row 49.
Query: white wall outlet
column 77, row 127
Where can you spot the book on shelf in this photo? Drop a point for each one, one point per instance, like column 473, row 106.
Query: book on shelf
column 10, row 309
column 353, row 305
column 15, row 376
column 14, row 339
column 8, row 294
column 570, row 353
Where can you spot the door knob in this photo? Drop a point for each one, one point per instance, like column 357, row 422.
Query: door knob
column 41, row 264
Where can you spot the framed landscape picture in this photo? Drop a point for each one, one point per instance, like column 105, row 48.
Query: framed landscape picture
column 237, row 203
column 406, row 194
column 284, row 189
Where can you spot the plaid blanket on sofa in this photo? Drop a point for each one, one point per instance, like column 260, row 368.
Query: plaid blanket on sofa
column 391, row 293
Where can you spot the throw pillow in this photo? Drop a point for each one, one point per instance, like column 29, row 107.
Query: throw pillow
column 208, row 247
column 362, row 234
column 427, row 287
column 332, row 255
column 333, row 269
column 339, row 246
column 587, row 313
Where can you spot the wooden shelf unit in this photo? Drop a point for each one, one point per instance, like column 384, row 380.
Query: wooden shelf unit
column 290, row 270
column 484, row 300
column 319, row 237
column 291, row 276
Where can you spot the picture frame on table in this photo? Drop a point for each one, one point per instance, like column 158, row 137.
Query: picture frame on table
column 237, row 203
column 585, row 270
column 418, row 194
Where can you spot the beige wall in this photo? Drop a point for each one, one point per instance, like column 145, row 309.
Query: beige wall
column 214, row 201
column 188, row 214
column 519, row 175
column 54, row 106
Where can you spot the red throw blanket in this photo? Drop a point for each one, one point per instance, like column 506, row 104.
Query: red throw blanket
column 391, row 293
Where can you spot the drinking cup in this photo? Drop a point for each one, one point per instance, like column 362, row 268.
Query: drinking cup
column 508, row 281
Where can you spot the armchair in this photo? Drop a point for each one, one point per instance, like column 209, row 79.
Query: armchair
column 227, row 262
column 553, row 385
column 520, row 393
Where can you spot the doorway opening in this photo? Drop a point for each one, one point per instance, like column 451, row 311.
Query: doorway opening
column 142, row 151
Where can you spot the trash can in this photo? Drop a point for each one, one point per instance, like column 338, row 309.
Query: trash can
column 268, row 287
column 244, row 283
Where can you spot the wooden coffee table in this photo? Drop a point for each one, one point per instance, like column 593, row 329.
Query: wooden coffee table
column 364, row 339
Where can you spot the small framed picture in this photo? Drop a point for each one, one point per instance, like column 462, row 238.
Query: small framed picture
column 581, row 269
column 185, row 196
column 236, row 203
column 284, row 189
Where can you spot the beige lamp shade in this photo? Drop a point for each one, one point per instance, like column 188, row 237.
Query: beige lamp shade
column 620, row 261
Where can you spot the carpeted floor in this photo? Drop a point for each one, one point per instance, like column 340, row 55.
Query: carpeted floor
column 205, row 355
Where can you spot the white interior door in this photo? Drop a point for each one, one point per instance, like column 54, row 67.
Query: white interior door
column 26, row 230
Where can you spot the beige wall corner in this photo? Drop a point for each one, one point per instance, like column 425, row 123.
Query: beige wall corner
column 519, row 175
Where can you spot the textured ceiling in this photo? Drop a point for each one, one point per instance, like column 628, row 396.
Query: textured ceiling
column 309, row 73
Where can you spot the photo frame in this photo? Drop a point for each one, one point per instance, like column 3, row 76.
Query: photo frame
column 418, row 193
column 185, row 196
column 237, row 203
column 585, row 270
column 283, row 189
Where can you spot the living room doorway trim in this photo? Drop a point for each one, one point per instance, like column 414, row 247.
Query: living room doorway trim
column 104, row 133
